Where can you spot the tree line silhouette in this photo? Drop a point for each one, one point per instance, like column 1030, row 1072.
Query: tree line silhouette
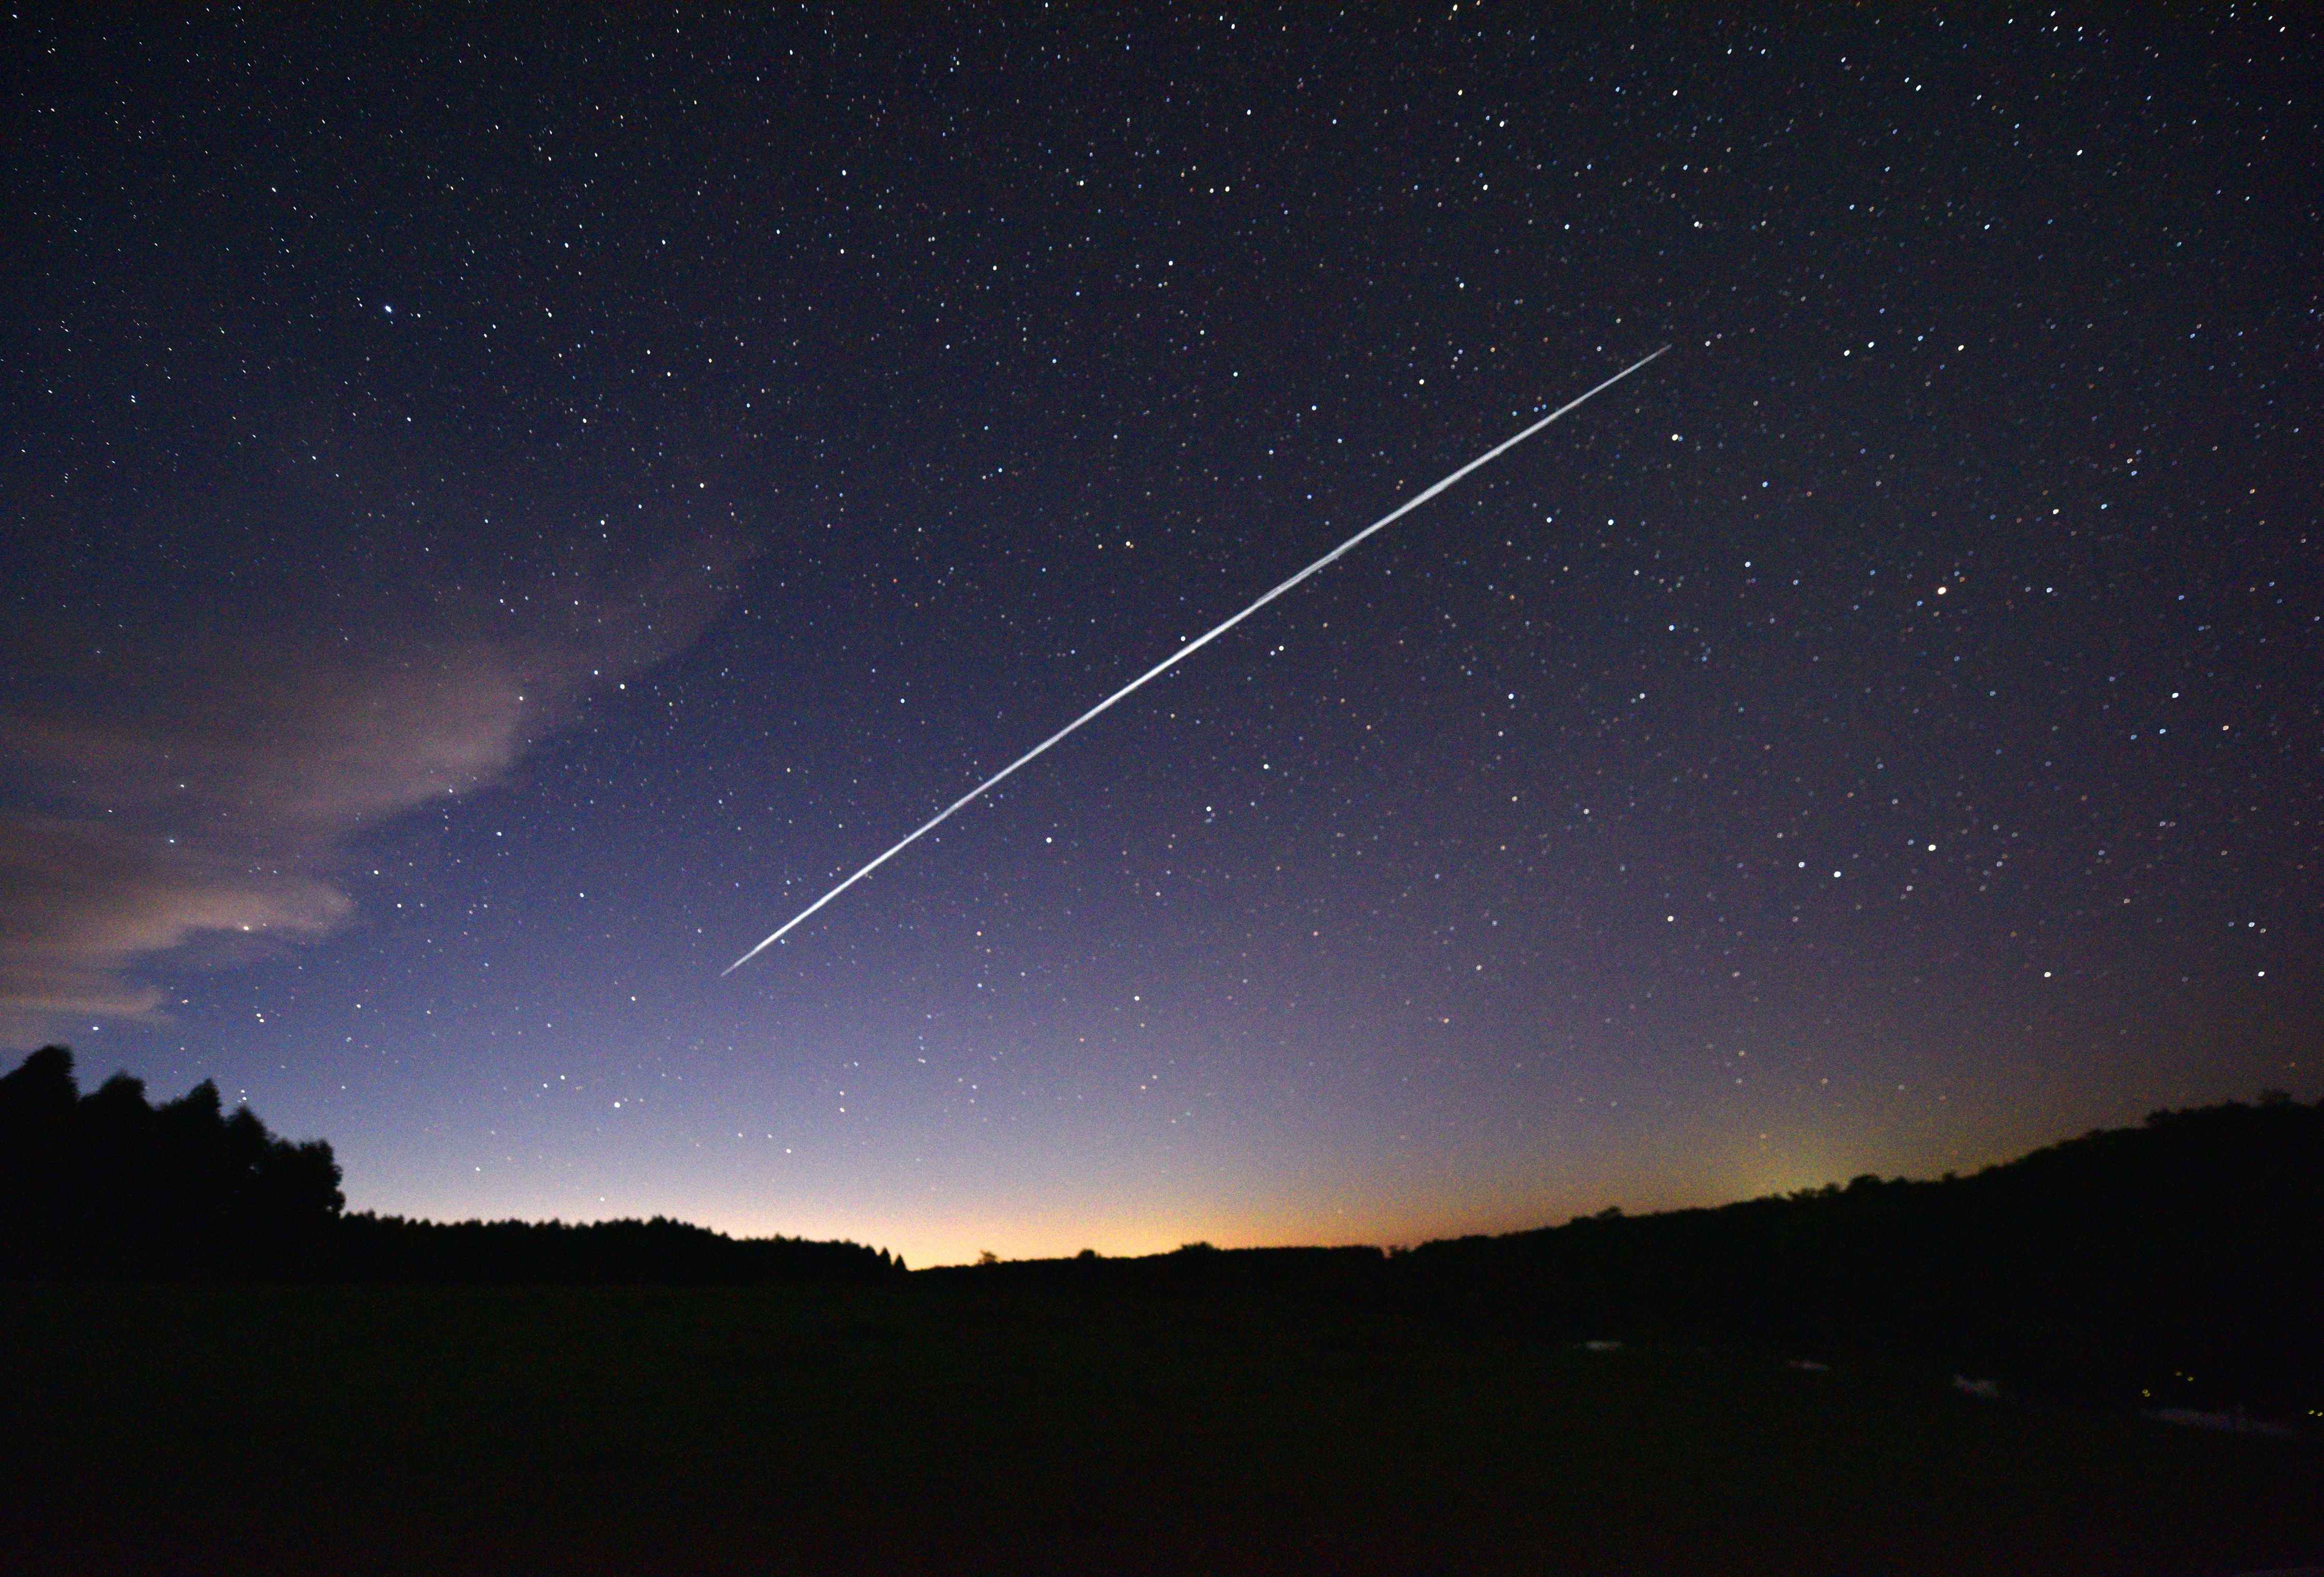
column 660, row 1252
column 107, row 1186
column 2178, row 1262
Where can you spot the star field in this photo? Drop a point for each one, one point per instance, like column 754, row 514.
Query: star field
column 499, row 516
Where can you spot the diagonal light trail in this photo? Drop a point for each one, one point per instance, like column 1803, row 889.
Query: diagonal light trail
column 1187, row 650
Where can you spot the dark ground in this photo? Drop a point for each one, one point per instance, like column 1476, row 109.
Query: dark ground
column 934, row 1427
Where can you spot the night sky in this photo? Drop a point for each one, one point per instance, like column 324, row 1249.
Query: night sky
column 497, row 522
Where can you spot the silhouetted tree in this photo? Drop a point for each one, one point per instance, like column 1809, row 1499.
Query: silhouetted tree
column 38, row 1102
column 107, row 1184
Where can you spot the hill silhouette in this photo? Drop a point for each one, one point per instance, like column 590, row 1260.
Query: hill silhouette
column 2181, row 1262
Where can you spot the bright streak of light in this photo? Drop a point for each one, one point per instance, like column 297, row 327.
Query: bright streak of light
column 1187, row 650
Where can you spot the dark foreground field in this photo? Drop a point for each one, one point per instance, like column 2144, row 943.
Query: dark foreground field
column 928, row 1428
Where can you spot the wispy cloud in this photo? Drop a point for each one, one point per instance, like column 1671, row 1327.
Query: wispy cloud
column 81, row 900
column 176, row 797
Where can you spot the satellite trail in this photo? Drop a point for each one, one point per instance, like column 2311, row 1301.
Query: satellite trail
column 1187, row 650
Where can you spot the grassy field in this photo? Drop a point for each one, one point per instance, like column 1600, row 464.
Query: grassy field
column 937, row 1428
